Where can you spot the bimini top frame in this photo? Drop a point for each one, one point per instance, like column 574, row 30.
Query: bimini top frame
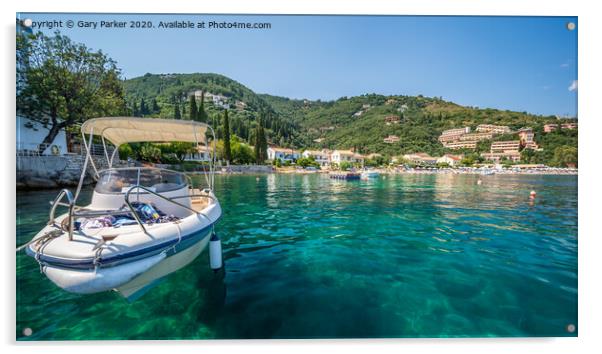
column 122, row 130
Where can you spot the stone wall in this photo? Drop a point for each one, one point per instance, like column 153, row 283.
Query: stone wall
column 245, row 169
column 50, row 171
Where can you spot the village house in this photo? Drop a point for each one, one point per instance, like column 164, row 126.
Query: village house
column 451, row 160
column 548, row 128
column 420, row 158
column 321, row 156
column 282, row 154
column 339, row 156
column 240, row 105
column 392, row 119
column 373, row 156
column 202, row 154
column 391, row 139
column 569, row 126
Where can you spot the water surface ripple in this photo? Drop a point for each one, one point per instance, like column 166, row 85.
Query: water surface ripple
column 309, row 257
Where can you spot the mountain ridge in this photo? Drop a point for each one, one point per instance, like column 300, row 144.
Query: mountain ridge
column 356, row 122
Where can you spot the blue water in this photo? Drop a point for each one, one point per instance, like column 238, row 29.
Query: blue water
column 309, row 257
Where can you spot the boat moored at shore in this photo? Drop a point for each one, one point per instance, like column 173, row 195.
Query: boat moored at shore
column 142, row 223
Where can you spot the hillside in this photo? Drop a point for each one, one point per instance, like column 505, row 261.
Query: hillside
column 161, row 94
column 349, row 122
column 339, row 124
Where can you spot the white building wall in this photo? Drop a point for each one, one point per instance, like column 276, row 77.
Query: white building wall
column 30, row 134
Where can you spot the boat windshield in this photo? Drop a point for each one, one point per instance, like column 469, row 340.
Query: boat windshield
column 113, row 181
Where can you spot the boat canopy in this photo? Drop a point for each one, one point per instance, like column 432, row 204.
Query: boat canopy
column 121, row 130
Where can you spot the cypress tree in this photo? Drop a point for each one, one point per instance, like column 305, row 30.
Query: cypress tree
column 135, row 109
column 261, row 144
column 176, row 113
column 193, row 109
column 155, row 106
column 143, row 108
column 202, row 115
column 227, row 148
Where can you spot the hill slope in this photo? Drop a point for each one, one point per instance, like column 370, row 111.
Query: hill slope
column 349, row 122
column 171, row 90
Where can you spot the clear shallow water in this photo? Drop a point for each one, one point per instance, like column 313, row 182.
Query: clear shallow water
column 309, row 257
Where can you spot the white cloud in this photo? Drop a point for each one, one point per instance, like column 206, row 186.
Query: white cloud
column 573, row 86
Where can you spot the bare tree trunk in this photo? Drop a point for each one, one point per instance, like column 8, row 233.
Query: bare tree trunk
column 54, row 131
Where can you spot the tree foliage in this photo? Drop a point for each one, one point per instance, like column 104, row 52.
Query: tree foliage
column 227, row 147
column 61, row 83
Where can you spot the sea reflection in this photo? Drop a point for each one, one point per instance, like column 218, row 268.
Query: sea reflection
column 307, row 256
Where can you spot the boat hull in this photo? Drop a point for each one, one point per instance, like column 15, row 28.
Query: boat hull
column 131, row 277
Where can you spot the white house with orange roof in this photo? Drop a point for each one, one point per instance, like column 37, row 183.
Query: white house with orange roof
column 282, row 154
column 321, row 156
column 339, row 156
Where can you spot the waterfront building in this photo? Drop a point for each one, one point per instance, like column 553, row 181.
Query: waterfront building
column 321, row 156
column 30, row 135
column 282, row 154
column 339, row 156
column 503, row 150
column 202, row 154
column 452, row 160
column 420, row 158
column 505, row 146
column 497, row 156
column 491, row 128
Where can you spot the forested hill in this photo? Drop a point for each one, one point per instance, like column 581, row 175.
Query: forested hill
column 349, row 122
column 168, row 96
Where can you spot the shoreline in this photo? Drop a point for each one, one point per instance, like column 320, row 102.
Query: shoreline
column 466, row 171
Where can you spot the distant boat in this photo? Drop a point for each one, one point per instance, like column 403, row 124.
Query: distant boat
column 344, row 175
column 366, row 175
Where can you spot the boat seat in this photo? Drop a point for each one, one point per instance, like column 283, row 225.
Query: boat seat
column 198, row 200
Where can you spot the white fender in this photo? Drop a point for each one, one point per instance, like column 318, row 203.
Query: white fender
column 103, row 279
column 215, row 252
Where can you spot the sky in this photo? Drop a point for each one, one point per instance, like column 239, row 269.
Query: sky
column 516, row 63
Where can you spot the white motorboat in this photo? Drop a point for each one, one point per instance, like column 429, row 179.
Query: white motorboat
column 366, row 175
column 141, row 224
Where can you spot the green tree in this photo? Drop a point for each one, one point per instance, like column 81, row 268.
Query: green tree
column 155, row 106
column 61, row 83
column 202, row 114
column 261, row 144
column 565, row 156
column 227, row 147
column 193, row 111
column 143, row 108
column 176, row 111
column 149, row 152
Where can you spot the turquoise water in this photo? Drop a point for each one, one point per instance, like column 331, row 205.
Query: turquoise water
column 309, row 257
